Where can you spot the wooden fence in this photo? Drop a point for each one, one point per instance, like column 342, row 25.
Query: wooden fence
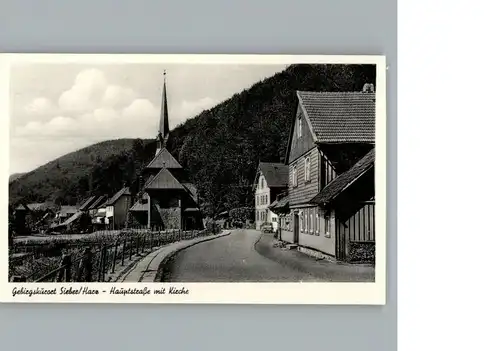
column 95, row 263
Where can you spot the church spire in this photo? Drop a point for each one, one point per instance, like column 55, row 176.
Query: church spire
column 164, row 130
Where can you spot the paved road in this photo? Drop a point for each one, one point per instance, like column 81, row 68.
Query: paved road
column 230, row 259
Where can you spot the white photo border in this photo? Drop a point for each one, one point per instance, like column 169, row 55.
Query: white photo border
column 358, row 293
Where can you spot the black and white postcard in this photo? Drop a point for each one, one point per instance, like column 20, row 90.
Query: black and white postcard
column 193, row 179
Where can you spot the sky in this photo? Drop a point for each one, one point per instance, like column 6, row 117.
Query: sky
column 59, row 108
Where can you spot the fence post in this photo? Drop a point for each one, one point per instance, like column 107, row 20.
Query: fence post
column 130, row 249
column 64, row 266
column 123, row 251
column 85, row 266
column 143, row 241
column 115, row 253
column 101, row 263
column 104, row 263
column 137, row 245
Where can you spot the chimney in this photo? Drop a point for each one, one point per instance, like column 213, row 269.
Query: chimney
column 368, row 88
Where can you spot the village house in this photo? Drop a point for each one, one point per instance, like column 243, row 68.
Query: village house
column 333, row 133
column 271, row 179
column 34, row 217
column 167, row 200
column 64, row 213
column 117, row 208
column 97, row 212
column 73, row 223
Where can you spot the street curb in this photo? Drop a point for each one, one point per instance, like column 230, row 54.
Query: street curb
column 161, row 267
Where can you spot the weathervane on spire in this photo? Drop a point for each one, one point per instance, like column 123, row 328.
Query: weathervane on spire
column 164, row 75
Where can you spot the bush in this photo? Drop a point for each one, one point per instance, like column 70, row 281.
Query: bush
column 213, row 227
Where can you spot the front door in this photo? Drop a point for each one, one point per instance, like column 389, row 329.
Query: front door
column 296, row 228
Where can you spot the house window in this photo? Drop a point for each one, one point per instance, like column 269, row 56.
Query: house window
column 257, row 200
column 294, row 176
column 307, row 169
column 327, row 226
column 302, row 224
column 306, row 220
column 311, row 223
column 299, row 127
column 317, row 224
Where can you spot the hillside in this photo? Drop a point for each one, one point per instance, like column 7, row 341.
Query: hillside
column 101, row 168
column 220, row 147
column 14, row 176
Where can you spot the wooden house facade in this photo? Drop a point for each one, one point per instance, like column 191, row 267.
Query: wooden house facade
column 331, row 133
column 117, row 208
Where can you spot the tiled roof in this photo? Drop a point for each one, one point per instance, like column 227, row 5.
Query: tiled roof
column 87, row 203
column 276, row 174
column 340, row 117
column 342, row 182
column 164, row 159
column 44, row 206
column 120, row 193
column 21, row 207
column 73, row 218
column 279, row 203
column 164, row 180
column 98, row 202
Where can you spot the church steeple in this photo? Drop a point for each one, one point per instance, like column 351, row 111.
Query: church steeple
column 164, row 130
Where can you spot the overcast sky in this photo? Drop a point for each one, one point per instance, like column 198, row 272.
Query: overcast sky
column 57, row 109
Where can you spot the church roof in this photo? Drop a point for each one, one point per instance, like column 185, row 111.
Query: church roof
column 164, row 159
column 164, row 128
column 164, row 180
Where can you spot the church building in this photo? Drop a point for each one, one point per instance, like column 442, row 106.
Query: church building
column 167, row 200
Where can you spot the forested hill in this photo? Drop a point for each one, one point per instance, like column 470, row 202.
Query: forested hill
column 220, row 147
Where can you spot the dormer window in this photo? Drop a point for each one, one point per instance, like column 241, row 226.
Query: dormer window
column 299, row 127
